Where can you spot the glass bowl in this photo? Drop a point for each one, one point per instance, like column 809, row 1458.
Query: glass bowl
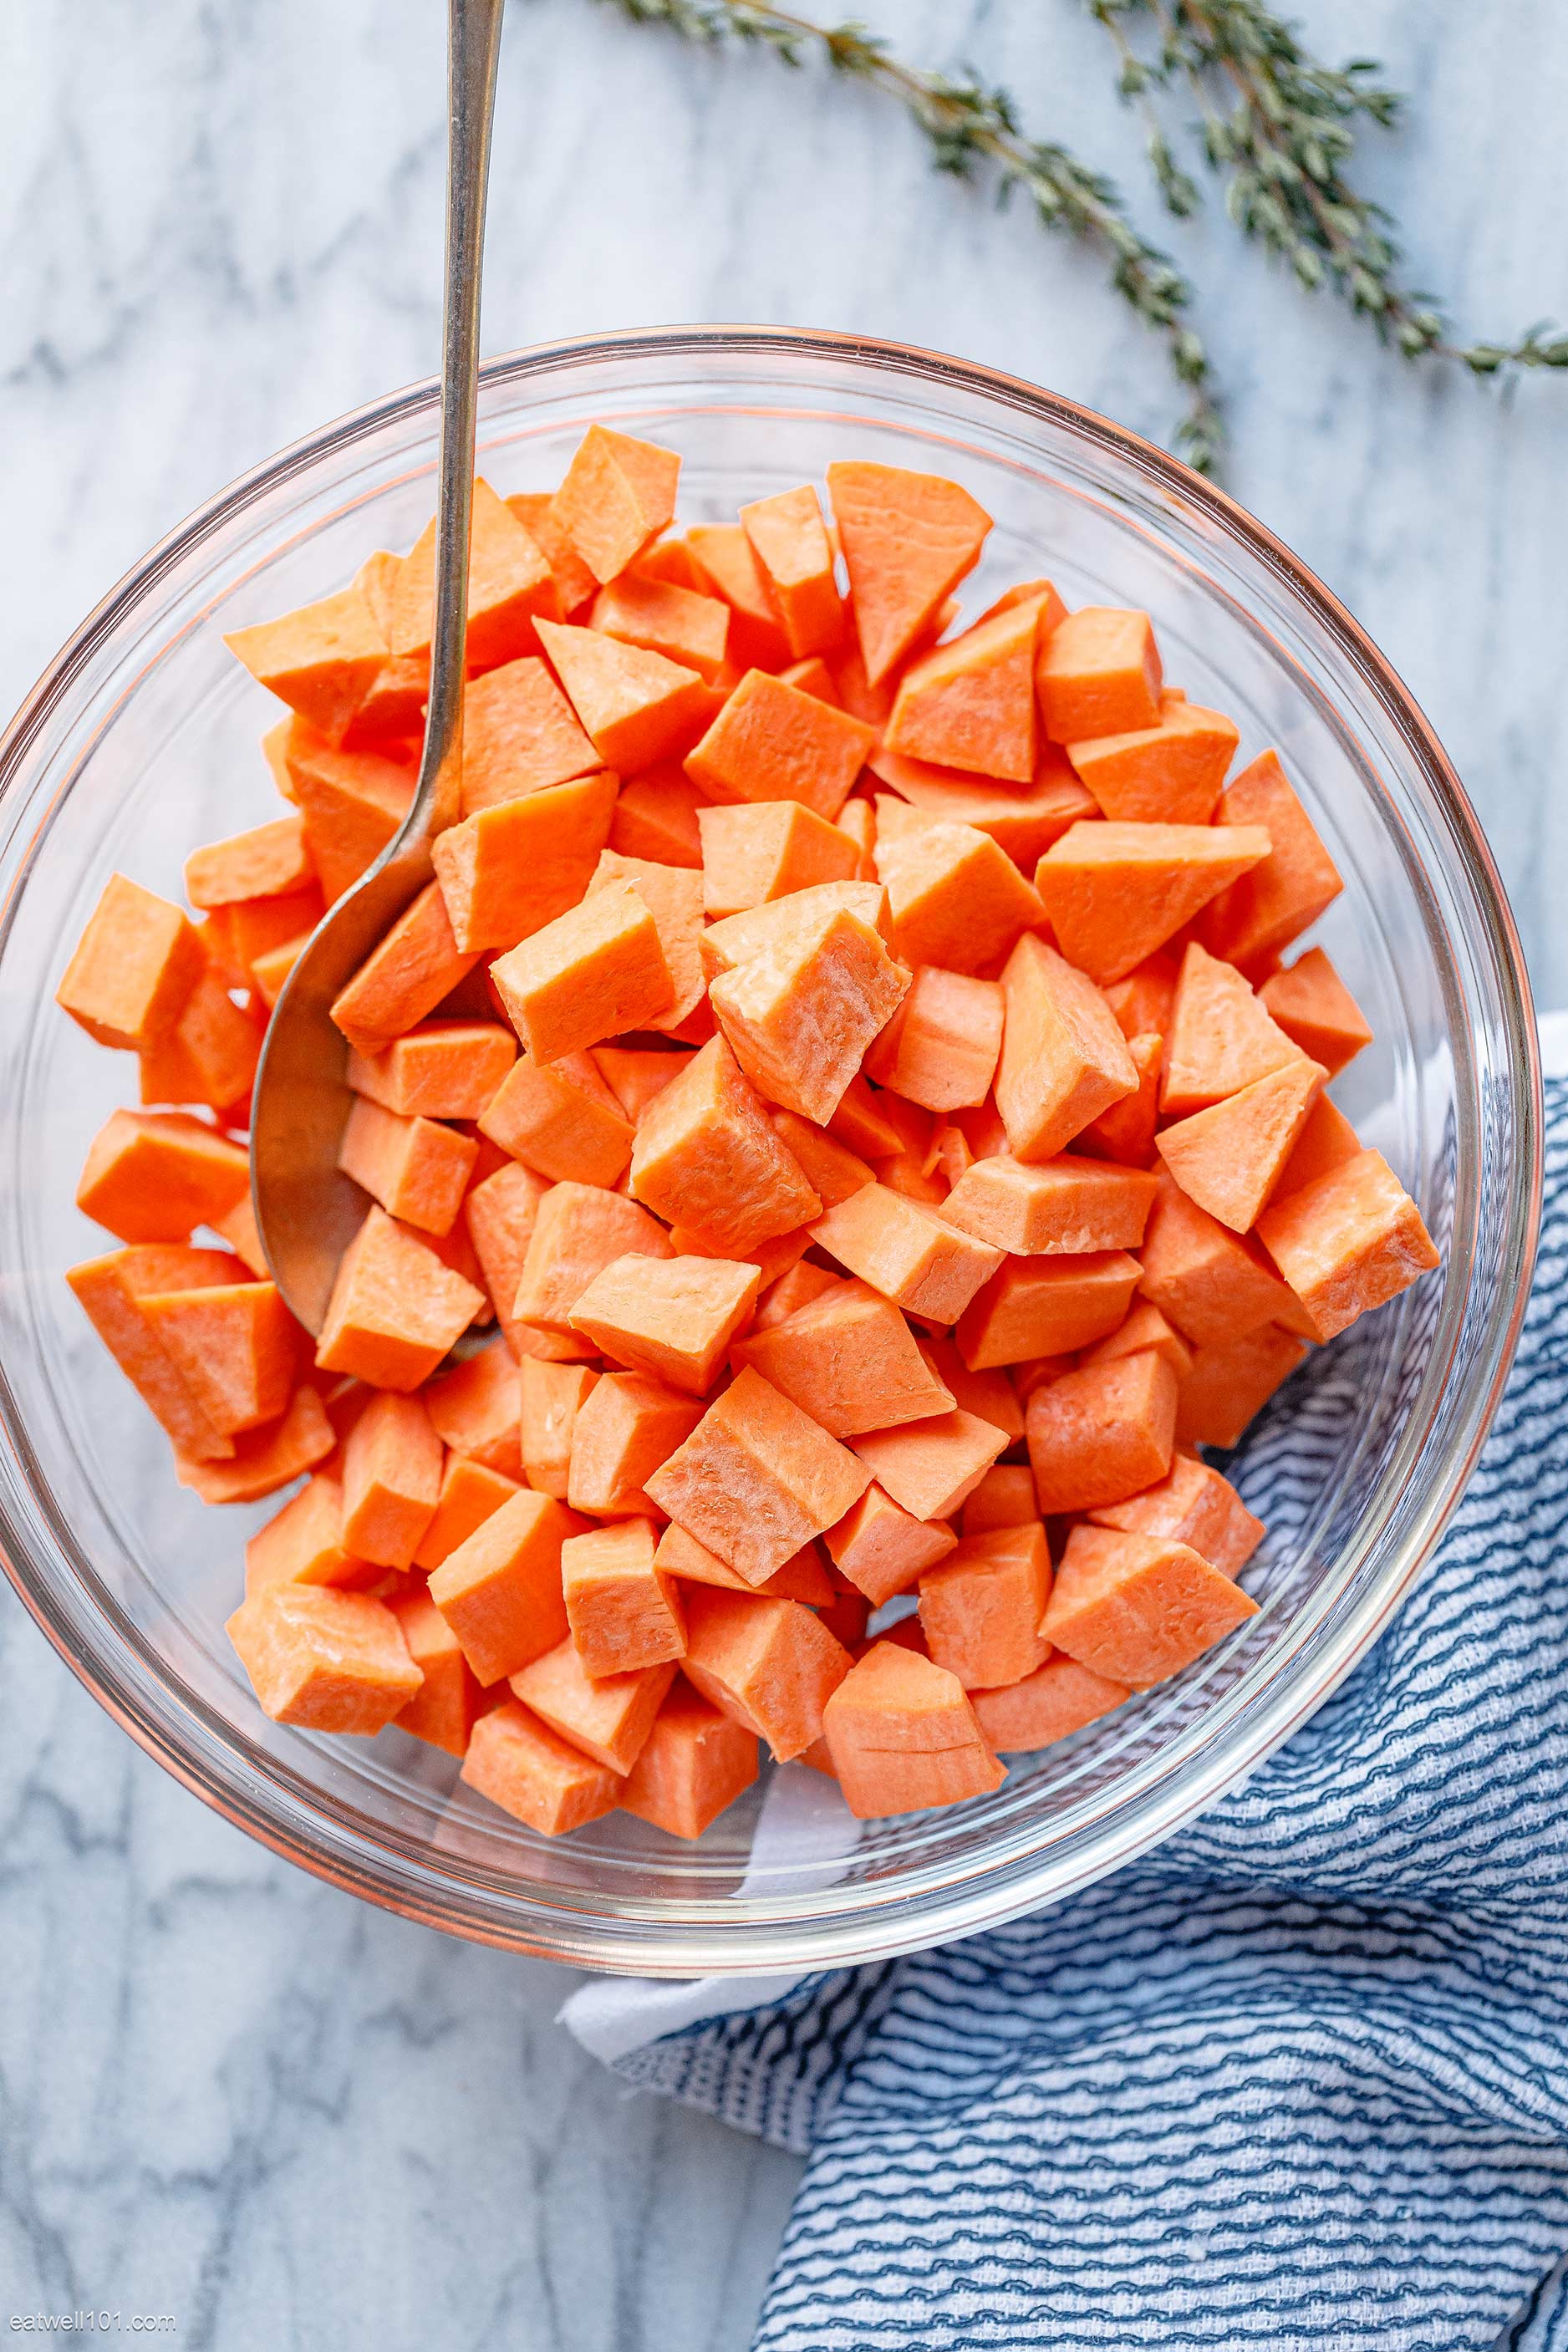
column 141, row 741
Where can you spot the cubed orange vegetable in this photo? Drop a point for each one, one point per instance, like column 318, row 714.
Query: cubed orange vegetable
column 1064, row 1060
column 560, row 1118
column 589, row 974
column 552, row 1395
column 625, row 1431
column 578, row 1230
column 694, row 1762
column 303, row 1542
column 617, row 495
column 1274, row 901
column 322, row 660
column 608, row 1716
column 417, row 1169
column 536, row 512
column 800, row 1016
column 790, row 542
column 624, row 1613
column 757, row 1478
column 1194, row 1506
column 849, row 1360
column 770, row 1665
column 759, row 851
column 956, row 899
column 664, row 618
column 1170, row 772
column 352, row 803
column 1349, row 1241
column 1116, row 892
column 970, row 703
column 134, row 968
column 267, row 863
column 237, row 1345
column 1327, row 1141
column 1099, row 674
column 152, row 1176
column 635, row 707
column 772, row 742
column 883, row 1549
column 932, row 1467
column 1230, row 1381
column 1057, row 1699
column 469, row 1495
column 674, row 1318
column 500, row 1590
column 725, row 562
column 445, row 1709
column 1143, row 1327
column 907, row 540
column 901, row 1735
column 511, row 868
column 707, row 1157
column 476, row 1408
column 907, row 1251
column 1139, row 1608
column 1040, row 1208
column 940, row 1047
column 1021, row 819
column 417, row 964
column 1230, row 1157
column 1214, row 1284
column 673, row 897
column 1046, row 1306
column 1004, row 1498
column 327, row 1660
column 980, row 1607
column 263, row 1459
column 442, row 1069
column 1102, row 1433
column 1220, row 1037
column 656, row 816
column 1317, row 1012
column 542, row 1780
column 395, row 1309
column 511, row 587
column 392, row 1480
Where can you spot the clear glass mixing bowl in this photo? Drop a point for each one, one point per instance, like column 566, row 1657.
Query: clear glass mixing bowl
column 141, row 741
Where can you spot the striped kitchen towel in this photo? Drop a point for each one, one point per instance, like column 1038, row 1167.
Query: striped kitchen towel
column 1299, row 2078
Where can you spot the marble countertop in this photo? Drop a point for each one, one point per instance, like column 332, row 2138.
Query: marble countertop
column 227, row 2092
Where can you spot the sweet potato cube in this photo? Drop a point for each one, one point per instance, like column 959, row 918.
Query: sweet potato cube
column 849, row 1360
column 1023, row 819
column 152, row 1176
column 1125, row 1132
column 1214, row 1284
column 591, row 973
column 932, row 1467
column 797, row 1287
column 303, row 1542
column 322, row 660
column 521, row 736
column 790, row 542
column 1327, row 1141
column 940, row 1047
column 799, row 1018
column 656, row 816
column 578, row 1230
column 802, row 1578
column 903, row 1734
column 694, row 1762
column 907, row 540
column 509, row 870
column 352, row 803
column 324, row 1660
column 498, row 1215
column 980, row 1607
column 635, row 1073
column 1046, row 1306
column 391, row 1481
column 417, row 1169
column 560, row 1118
column 623, row 1612
column 883, row 1549
column 499, row 1590
column 1194, row 1506
column 469, row 1495
column 707, row 1157
column 1057, row 1699
column 832, row 1171
column 476, row 1408
column 1139, row 1608
column 266, row 862
column 1143, row 1327
column 444, row 1710
column 1273, row 902
column 1099, row 674
column 1037, row 1209
column 673, row 897
column 1230, row 1157
column 907, row 1251
column 542, row 1780
column 263, row 1459
column 396, row 1309
column 536, row 512
column 781, row 923
column 770, row 1665
column 1171, row 772
column 133, row 969
column 417, row 964
column 1116, row 892
column 1064, row 1060
column 1219, row 1037
column 763, row 850
column 956, row 898
column 757, row 1478
column 208, row 1056
column 1230, row 1381
column 1102, row 1434
column 722, row 560
column 772, row 742
column 1004, row 1498
column 442, row 1069
column 552, row 1396
column 635, row 707
column 674, row 1318
column 664, row 618
column 625, row 1430
column 608, row 1717
column 110, row 1288
column 1317, row 1012
column 1145, row 1001
column 1349, row 1241
column 618, row 495
column 236, row 1345
column 511, row 587
column 970, row 703
column 987, row 1393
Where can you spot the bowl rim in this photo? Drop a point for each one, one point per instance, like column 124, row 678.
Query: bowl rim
column 964, row 1910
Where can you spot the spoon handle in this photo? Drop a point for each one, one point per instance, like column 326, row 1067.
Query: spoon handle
column 473, row 47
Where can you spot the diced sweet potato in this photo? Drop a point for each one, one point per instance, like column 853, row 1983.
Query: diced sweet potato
column 1146, row 999
column 770, row 1665
column 417, row 964
column 1125, row 1132
column 510, row 868
column 560, row 1118
column 499, row 1215
column 499, row 1590
column 263, row 1459
column 901, row 1735
column 905, row 1251
column 152, row 1176
column 624, row 1432
column 1046, row 1306
column 624, row 1613
column 1232, row 1380
column 578, row 1230
column 956, row 898
column 1021, row 819
column 940, row 1047
column 799, row 1017
column 673, row 897
column 322, row 660
column 1230, row 1157
column 511, row 587
column 352, row 803
column 1116, row 892
column 469, row 1495
column 1171, row 772
column 757, row 1478
column 849, row 1360
column 536, row 512
column 416, row 1168
column 635, row 707
column 445, row 1709
column 707, row 1157
column 1194, row 1506
column 1143, row 1327
column 1327, row 1141
column 608, row 1716
column 907, row 540
column 303, row 1542
column 802, row 1578
column 772, row 742
column 1350, row 1240
column 1099, row 674
column 266, row 862
column 1064, row 1060
column 664, row 618
column 932, row 1467
column 237, row 1346
column 694, row 1762
column 673, row 1319
column 1057, row 1699
column 1274, row 901
column 1220, row 1037
column 1035, row 1209
column 970, row 703
column 395, row 1309
column 980, row 1607
column 724, row 562
column 1102, row 1433
column 656, row 816
column 109, row 1290
column 1004, row 1498
column 1317, row 1012
column 324, row 1660
column 392, row 1480
column 442, row 1069
column 542, row 1780
column 135, row 967
column 1139, row 1608
column 617, row 495
column 883, row 1549
column 1215, row 1286
column 589, row 974
column 551, row 1397
column 758, row 851
column 476, row 1408
column 791, row 544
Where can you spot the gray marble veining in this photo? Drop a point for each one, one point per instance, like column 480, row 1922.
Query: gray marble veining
column 226, row 2091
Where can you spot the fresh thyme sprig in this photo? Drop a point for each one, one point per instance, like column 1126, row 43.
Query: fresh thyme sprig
column 972, row 128
column 1279, row 128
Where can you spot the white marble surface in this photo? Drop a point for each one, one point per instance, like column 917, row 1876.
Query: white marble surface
column 226, row 2093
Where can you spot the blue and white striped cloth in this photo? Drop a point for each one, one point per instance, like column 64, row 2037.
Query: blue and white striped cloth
column 1298, row 2079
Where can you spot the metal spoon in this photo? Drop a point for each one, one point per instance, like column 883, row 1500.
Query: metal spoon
column 307, row 1212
